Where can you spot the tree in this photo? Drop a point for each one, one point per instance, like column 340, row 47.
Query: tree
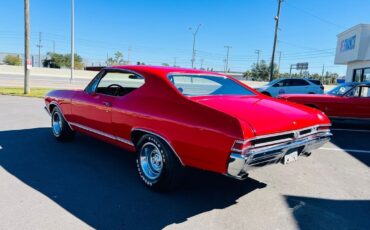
column 261, row 71
column 12, row 60
column 165, row 64
column 56, row 60
column 116, row 60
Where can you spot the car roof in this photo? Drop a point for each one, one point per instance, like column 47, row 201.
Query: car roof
column 161, row 71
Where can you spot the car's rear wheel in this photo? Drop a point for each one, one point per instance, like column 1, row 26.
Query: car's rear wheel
column 157, row 164
column 60, row 127
column 266, row 93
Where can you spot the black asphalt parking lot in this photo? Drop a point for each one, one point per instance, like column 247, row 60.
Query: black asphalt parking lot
column 90, row 184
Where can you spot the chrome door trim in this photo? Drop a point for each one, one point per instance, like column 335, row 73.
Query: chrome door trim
column 125, row 141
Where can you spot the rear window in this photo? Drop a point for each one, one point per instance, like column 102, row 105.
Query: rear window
column 205, row 85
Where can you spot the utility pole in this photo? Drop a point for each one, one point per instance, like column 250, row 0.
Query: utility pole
column 277, row 19
column 201, row 63
column 39, row 46
column 194, row 36
column 227, row 58
column 129, row 55
column 72, row 39
column 258, row 52
column 322, row 74
column 279, row 59
column 27, row 59
column 174, row 61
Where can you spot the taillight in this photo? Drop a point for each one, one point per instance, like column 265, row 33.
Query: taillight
column 240, row 146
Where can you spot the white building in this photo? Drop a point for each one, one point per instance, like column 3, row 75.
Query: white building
column 353, row 50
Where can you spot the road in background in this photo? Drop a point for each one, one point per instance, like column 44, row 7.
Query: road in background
column 62, row 82
column 46, row 184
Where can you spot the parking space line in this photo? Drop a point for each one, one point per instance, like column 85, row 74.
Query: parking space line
column 346, row 150
column 352, row 130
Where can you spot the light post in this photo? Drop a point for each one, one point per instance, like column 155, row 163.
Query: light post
column 72, row 39
column 194, row 36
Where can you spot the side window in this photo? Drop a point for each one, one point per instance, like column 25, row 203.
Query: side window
column 118, row 83
column 365, row 91
column 282, row 83
column 299, row 82
column 354, row 92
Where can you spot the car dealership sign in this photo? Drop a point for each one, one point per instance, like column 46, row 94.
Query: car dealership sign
column 348, row 44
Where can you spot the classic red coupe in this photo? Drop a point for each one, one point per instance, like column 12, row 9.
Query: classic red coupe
column 346, row 101
column 174, row 117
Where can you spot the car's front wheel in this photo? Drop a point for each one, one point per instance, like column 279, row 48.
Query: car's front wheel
column 157, row 164
column 60, row 127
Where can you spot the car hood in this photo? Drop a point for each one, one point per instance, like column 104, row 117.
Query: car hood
column 265, row 115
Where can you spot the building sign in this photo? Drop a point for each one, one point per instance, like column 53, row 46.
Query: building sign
column 348, row 44
column 302, row 66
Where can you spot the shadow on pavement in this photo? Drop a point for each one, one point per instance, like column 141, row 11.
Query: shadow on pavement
column 355, row 140
column 98, row 183
column 314, row 213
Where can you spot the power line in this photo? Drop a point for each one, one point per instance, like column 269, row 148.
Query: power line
column 316, row 16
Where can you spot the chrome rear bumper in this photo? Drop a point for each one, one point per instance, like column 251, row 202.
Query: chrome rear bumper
column 239, row 164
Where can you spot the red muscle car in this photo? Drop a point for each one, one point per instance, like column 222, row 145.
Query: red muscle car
column 346, row 101
column 174, row 117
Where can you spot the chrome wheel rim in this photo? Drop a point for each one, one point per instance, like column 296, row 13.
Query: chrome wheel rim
column 151, row 161
column 56, row 124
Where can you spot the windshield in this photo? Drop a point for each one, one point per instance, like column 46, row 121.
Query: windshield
column 204, row 85
column 340, row 90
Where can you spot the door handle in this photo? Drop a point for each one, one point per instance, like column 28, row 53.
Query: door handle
column 108, row 104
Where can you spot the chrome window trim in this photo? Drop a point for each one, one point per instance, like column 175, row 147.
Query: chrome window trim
column 104, row 71
column 128, row 142
column 164, row 139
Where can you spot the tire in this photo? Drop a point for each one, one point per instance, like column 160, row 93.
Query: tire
column 266, row 93
column 60, row 127
column 157, row 165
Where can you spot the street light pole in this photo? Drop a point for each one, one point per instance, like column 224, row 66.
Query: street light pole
column 72, row 39
column 39, row 46
column 27, row 59
column 277, row 19
column 227, row 58
column 194, row 36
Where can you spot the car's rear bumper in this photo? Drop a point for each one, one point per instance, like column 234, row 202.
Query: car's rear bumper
column 239, row 164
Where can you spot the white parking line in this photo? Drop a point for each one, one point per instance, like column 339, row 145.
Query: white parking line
column 352, row 130
column 346, row 150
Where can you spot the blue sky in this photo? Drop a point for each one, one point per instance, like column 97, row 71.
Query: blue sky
column 158, row 31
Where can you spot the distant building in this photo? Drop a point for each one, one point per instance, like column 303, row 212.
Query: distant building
column 353, row 50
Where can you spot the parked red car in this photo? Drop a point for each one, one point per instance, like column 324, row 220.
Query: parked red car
column 346, row 101
column 173, row 117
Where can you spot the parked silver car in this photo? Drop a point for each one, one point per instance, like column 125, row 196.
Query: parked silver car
column 292, row 86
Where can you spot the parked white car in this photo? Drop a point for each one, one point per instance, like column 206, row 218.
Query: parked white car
column 292, row 86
